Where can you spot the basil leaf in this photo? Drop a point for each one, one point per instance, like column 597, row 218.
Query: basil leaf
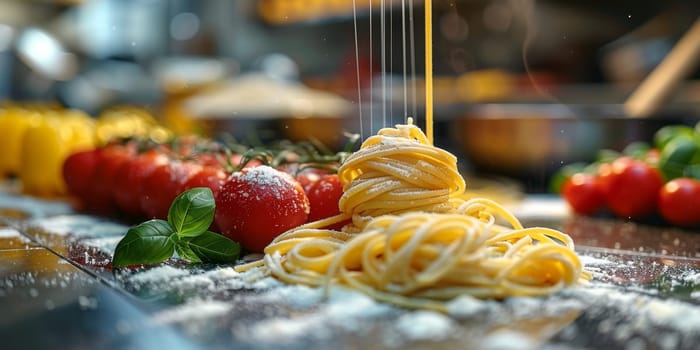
column 185, row 252
column 147, row 243
column 192, row 212
column 215, row 248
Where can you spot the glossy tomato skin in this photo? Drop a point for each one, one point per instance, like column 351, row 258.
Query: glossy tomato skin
column 128, row 187
column 162, row 185
column 257, row 204
column 212, row 177
column 583, row 193
column 110, row 160
column 210, row 159
column 309, row 174
column 78, row 171
column 324, row 195
column 679, row 202
column 237, row 160
column 604, row 172
column 632, row 188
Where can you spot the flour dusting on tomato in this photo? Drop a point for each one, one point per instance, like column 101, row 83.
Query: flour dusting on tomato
column 257, row 204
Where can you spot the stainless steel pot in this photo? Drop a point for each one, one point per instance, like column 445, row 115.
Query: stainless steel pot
column 526, row 140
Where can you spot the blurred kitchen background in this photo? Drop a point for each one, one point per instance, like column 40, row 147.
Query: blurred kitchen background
column 521, row 87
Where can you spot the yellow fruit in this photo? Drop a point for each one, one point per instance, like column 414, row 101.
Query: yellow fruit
column 14, row 121
column 44, row 146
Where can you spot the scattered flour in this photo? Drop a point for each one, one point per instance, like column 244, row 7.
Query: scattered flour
column 193, row 282
column 80, row 226
column 508, row 340
column 425, row 325
column 158, row 274
column 6, row 232
column 191, row 311
column 588, row 261
column 344, row 309
column 34, row 207
column 693, row 278
column 467, row 306
column 632, row 313
column 104, row 244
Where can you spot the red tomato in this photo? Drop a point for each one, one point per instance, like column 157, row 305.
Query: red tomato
column 208, row 176
column 78, row 170
column 583, row 194
column 307, row 178
column 110, row 159
column 257, row 204
column 633, row 188
column 605, row 172
column 324, row 195
column 128, row 186
column 237, row 161
column 679, row 202
column 210, row 159
column 309, row 175
column 162, row 185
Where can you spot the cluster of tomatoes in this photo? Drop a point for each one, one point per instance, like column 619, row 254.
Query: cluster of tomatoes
column 643, row 182
column 258, row 195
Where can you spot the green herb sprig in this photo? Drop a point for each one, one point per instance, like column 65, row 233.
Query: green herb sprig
column 185, row 232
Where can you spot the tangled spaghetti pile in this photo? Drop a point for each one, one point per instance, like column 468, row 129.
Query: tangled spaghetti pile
column 413, row 240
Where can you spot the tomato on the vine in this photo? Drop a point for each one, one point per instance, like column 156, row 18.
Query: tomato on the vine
column 110, row 159
column 162, row 185
column 583, row 193
column 78, row 170
column 631, row 188
column 208, row 176
column 128, row 187
column 604, row 173
column 237, row 160
column 257, row 204
column 324, row 195
column 679, row 202
column 308, row 174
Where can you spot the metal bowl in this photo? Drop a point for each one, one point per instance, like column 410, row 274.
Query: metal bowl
column 533, row 140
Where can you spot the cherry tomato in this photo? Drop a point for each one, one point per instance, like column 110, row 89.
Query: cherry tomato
column 78, row 170
column 605, row 172
column 210, row 159
column 257, row 204
column 237, row 159
column 110, row 159
column 307, row 178
column 308, row 175
column 632, row 188
column 679, row 202
column 162, row 185
column 324, row 195
column 128, row 186
column 583, row 193
column 208, row 176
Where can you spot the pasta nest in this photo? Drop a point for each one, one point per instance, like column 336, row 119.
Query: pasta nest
column 397, row 171
column 414, row 240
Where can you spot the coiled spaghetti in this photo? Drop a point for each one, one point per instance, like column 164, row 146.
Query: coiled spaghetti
column 414, row 240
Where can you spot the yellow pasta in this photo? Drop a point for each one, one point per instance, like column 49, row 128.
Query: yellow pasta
column 414, row 240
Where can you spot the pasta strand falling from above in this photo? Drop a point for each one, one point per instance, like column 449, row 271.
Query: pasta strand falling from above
column 414, row 240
